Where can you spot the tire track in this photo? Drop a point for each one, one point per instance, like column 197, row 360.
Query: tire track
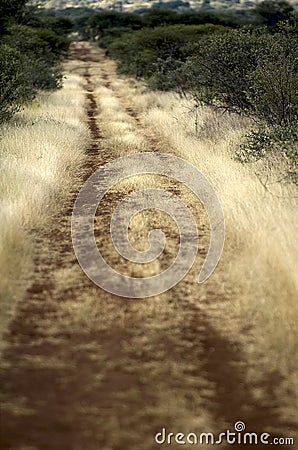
column 86, row 370
column 232, row 398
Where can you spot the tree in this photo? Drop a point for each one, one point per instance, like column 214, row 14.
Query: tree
column 270, row 12
column 10, row 10
column 31, row 49
column 253, row 73
column 15, row 82
column 206, row 4
column 158, row 50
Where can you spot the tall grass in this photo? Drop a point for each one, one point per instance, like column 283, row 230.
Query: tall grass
column 259, row 260
column 40, row 152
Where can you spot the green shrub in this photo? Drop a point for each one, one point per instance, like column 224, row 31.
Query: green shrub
column 273, row 84
column 165, row 75
column 157, row 17
column 43, row 49
column 281, row 140
column 39, row 42
column 99, row 24
column 30, row 56
column 15, row 83
column 270, row 12
column 148, row 53
column 251, row 73
column 10, row 11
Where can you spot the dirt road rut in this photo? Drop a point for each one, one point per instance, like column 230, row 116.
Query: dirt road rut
column 86, row 370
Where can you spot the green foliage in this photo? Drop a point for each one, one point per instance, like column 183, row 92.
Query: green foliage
column 218, row 71
column 10, row 10
column 269, row 139
column 61, row 26
column 15, row 82
column 245, row 70
column 270, row 12
column 273, row 84
column 212, row 17
column 43, row 49
column 100, row 24
column 255, row 145
column 252, row 73
column 151, row 53
column 32, row 47
column 172, row 5
column 277, row 139
column 156, row 17
column 41, row 42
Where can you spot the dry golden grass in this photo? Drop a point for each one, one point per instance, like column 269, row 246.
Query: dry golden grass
column 261, row 233
column 259, row 260
column 195, row 358
column 41, row 149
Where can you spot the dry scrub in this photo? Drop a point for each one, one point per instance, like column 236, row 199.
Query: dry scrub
column 261, row 235
column 84, row 369
column 41, row 150
column 259, row 260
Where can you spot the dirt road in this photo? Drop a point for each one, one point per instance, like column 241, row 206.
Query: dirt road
column 86, row 370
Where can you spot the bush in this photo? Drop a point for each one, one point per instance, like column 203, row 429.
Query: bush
column 30, row 55
column 158, row 17
column 43, row 49
column 273, row 84
column 15, row 83
column 165, row 75
column 100, row 24
column 270, row 12
column 150, row 53
column 10, row 10
column 252, row 73
column 39, row 42
column 282, row 140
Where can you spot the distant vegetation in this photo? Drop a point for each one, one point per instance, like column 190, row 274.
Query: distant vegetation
column 248, row 68
column 31, row 48
column 240, row 63
column 239, row 6
column 159, row 53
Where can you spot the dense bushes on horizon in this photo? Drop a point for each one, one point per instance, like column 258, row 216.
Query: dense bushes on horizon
column 251, row 71
column 139, row 53
column 248, row 71
column 15, row 83
column 31, row 48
